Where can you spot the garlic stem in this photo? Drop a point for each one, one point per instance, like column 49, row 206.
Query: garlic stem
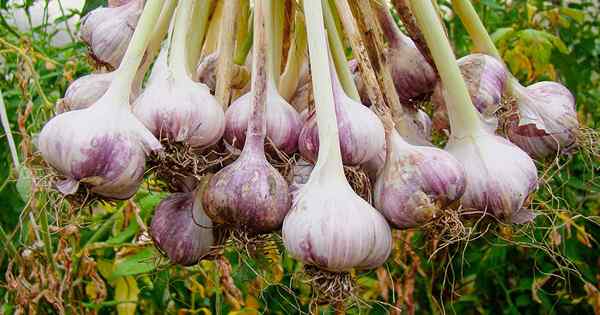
column 464, row 119
column 277, row 11
column 201, row 14
column 288, row 83
column 482, row 40
column 210, row 42
column 329, row 161
column 257, row 123
column 8, row 132
column 339, row 55
column 120, row 87
column 243, row 46
column 405, row 13
column 177, row 59
column 226, row 47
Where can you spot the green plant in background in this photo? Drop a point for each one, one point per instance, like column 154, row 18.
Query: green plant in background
column 102, row 260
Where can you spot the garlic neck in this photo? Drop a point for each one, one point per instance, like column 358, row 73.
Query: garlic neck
column 388, row 24
column 178, row 47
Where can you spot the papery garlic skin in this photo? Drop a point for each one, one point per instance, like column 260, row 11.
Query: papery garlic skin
column 283, row 121
column 500, row 176
column 107, row 31
column 416, row 183
column 117, row 3
column 546, row 122
column 486, row 79
column 248, row 194
column 331, row 227
column 103, row 146
column 179, row 109
column 84, row 91
column 206, row 72
column 181, row 229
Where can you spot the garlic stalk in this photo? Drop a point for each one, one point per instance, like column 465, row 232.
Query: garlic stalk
column 226, row 47
column 87, row 89
column 283, row 121
column 200, row 20
column 296, row 60
column 250, row 194
column 545, row 122
column 181, row 228
column 500, row 176
column 104, row 146
column 329, row 226
column 107, row 31
column 486, row 78
column 173, row 106
column 360, row 130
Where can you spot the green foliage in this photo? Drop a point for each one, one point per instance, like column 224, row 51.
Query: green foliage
column 107, row 263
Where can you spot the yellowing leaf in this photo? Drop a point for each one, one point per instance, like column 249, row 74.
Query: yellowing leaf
column 126, row 292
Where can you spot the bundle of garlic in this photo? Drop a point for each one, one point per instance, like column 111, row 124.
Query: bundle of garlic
column 500, row 176
column 104, row 146
column 543, row 120
column 250, row 195
column 330, row 226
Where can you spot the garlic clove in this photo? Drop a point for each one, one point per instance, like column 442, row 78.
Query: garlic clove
column 179, row 109
column 486, row 78
column 249, row 194
column 416, row 182
column 546, row 119
column 84, row 91
column 107, row 31
column 283, row 121
column 500, row 176
column 103, row 146
column 332, row 228
column 181, row 229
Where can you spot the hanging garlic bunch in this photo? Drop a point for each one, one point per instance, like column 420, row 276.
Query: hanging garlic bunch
column 173, row 106
column 104, row 146
column 500, row 176
column 107, row 31
column 250, row 194
column 485, row 77
column 360, row 131
column 181, row 229
column 329, row 226
column 544, row 120
column 283, row 121
column 86, row 90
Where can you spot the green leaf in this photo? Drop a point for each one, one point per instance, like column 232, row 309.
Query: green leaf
column 141, row 262
column 126, row 293
column 502, row 34
column 577, row 15
column 24, row 183
column 91, row 5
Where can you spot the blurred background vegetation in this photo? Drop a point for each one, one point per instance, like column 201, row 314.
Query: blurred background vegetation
column 99, row 260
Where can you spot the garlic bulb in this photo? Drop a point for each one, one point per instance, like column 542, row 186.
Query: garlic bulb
column 500, row 176
column 485, row 77
column 104, row 146
column 250, row 194
column 107, row 31
column 329, row 225
column 117, row 3
column 360, row 130
column 283, row 121
column 206, row 72
column 181, row 229
column 546, row 122
column 416, row 182
column 173, row 106
column 84, row 91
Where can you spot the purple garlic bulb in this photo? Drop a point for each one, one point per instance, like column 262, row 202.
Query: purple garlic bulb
column 84, row 91
column 416, row 183
column 107, row 31
column 485, row 77
column 176, row 108
column 103, row 146
column 360, row 131
column 206, row 72
column 181, row 229
column 546, row 120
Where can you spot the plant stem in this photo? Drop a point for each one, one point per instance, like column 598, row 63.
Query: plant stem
column 405, row 13
column 177, row 58
column 339, row 55
column 226, row 47
column 257, row 123
column 243, row 47
column 7, row 244
column 45, row 231
column 120, row 87
column 330, row 158
column 288, row 82
column 482, row 40
column 277, row 12
column 464, row 120
column 202, row 11
column 8, row 132
column 210, row 42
